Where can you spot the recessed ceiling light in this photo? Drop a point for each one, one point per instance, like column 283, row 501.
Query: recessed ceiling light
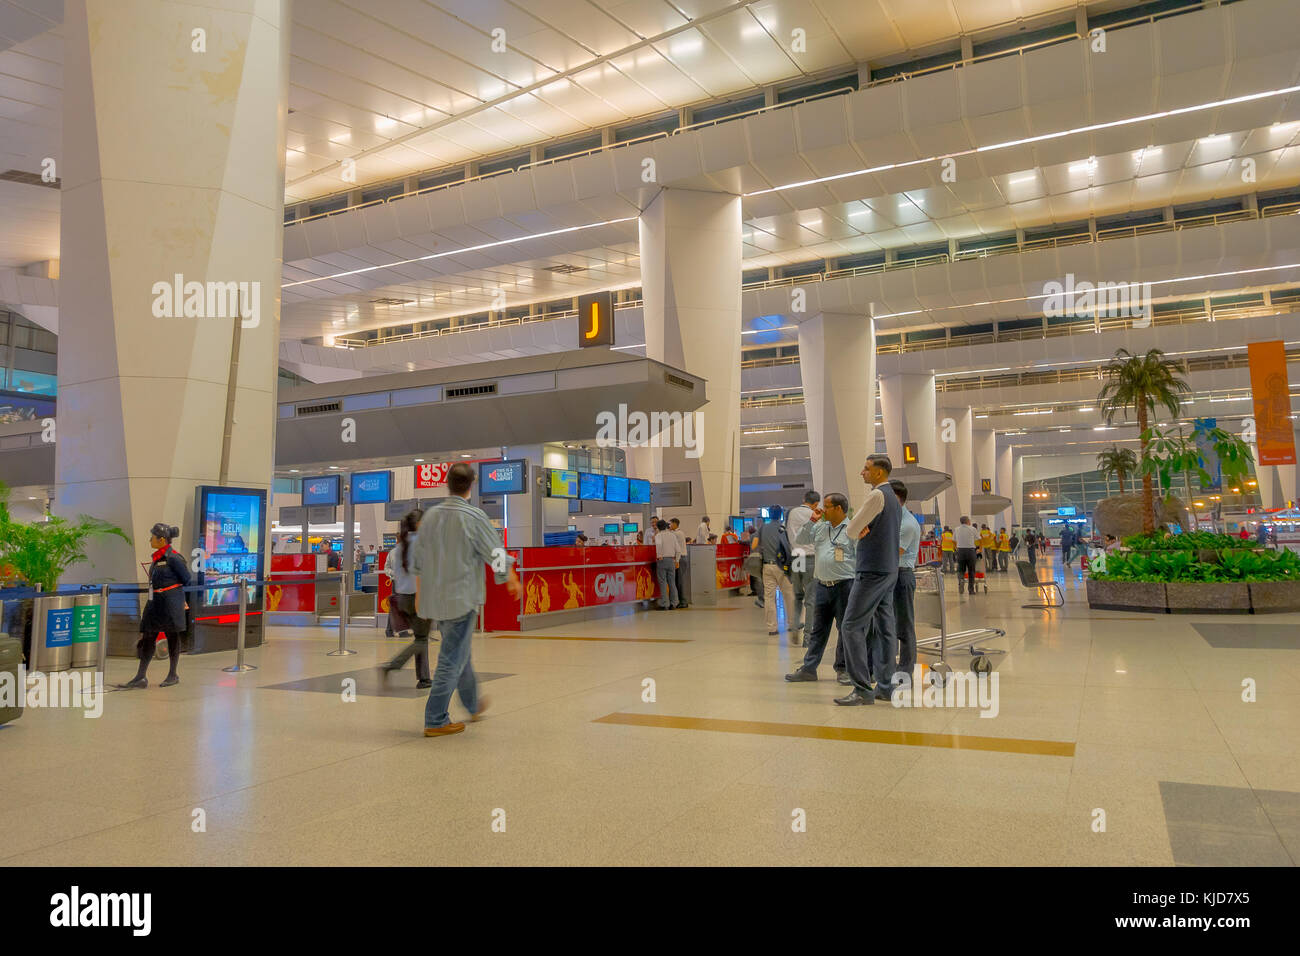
column 293, row 471
column 419, row 459
column 334, row 467
column 464, row 455
column 1217, row 137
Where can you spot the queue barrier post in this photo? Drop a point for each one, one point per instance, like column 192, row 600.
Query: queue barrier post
column 343, row 620
column 239, row 666
column 102, row 662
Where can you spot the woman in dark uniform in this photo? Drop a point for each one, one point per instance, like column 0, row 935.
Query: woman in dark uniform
column 165, row 610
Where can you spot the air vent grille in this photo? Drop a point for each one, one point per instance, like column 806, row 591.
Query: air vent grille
column 467, row 391
column 391, row 301
column 334, row 406
column 27, row 179
column 680, row 382
column 799, row 484
column 566, row 270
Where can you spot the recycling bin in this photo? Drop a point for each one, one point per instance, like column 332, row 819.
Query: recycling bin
column 52, row 632
column 87, row 629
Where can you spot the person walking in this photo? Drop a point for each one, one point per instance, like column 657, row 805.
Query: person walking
column 1014, row 543
column 408, row 624
column 948, row 550
column 909, row 548
column 455, row 541
column 774, row 547
column 802, row 562
column 869, row 617
column 667, row 555
column 965, row 540
column 164, row 612
column 1067, row 545
column 683, row 565
column 828, row 535
column 1031, row 547
column 755, row 586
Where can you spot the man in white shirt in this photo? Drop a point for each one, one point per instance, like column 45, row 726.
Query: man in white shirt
column 801, row 569
column 683, row 565
column 667, row 555
column 703, row 531
column 966, row 538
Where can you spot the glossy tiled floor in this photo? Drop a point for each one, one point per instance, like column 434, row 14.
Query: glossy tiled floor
column 1184, row 770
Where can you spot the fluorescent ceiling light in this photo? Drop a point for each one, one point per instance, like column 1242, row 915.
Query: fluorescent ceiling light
column 1087, row 408
column 1087, row 166
column 1217, row 137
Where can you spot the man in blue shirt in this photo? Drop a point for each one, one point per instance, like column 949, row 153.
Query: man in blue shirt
column 455, row 541
column 828, row 533
column 909, row 546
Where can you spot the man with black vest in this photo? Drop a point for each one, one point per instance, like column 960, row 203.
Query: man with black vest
column 869, row 617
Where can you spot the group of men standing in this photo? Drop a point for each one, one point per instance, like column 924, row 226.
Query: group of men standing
column 861, row 575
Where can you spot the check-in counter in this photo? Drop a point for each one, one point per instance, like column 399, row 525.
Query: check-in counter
column 570, row 583
column 715, row 569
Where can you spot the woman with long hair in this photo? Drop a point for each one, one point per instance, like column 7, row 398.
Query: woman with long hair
column 165, row 610
column 402, row 604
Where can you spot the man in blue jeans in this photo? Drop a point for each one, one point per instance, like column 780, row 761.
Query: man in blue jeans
column 455, row 541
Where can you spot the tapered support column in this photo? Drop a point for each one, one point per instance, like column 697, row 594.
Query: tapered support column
column 171, row 229
column 955, row 429
column 837, row 363
column 1002, row 484
column 690, row 272
column 907, row 409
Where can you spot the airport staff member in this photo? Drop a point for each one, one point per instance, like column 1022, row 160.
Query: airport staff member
column 668, row 550
column 1004, row 548
column 683, row 565
column 828, row 533
column 455, row 541
column 948, row 544
column 988, row 544
column 703, row 531
column 965, row 537
column 802, row 581
column 870, row 613
column 909, row 547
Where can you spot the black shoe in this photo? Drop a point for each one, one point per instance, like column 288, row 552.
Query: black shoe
column 758, row 604
column 134, row 684
column 773, row 633
column 845, row 679
column 800, row 675
column 884, row 695
column 423, row 684
column 855, row 698
column 171, row 680
column 682, row 607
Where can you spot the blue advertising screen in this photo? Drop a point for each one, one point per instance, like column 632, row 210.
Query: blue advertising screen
column 616, row 489
column 230, row 533
column 372, row 487
column 631, row 528
column 737, row 524
column 609, row 529
column 591, row 487
column 1067, row 512
column 638, row 491
column 503, row 477
column 322, row 490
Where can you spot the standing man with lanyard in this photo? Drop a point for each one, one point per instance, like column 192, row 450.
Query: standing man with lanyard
column 909, row 547
column 965, row 538
column 802, row 579
column 455, row 541
column 683, row 565
column 870, row 614
column 828, row 533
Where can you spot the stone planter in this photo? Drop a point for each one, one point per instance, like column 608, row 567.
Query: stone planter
column 1208, row 597
column 1126, row 595
column 1268, row 597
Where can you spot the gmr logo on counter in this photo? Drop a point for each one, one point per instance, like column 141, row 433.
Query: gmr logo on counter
column 102, row 909
column 609, row 585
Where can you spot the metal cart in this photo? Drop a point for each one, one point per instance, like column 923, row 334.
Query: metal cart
column 930, row 610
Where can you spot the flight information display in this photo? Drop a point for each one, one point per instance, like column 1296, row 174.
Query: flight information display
column 563, row 484
column 591, row 487
column 616, row 489
column 638, row 491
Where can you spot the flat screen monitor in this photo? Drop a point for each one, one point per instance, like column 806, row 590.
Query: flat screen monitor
column 616, row 489
column 1067, row 512
column 737, row 524
column 322, row 490
column 609, row 529
column 638, row 491
column 503, row 477
column 591, row 487
column 230, row 532
column 631, row 528
column 563, row 484
column 372, row 487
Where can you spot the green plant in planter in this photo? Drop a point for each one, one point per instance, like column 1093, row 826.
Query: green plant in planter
column 1182, row 567
column 1169, row 453
column 40, row 552
column 1190, row 541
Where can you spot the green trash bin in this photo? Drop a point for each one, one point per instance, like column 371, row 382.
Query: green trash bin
column 13, row 690
column 87, row 632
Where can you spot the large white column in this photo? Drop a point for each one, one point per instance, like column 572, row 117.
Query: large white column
column 958, row 462
column 837, row 363
column 1018, row 493
column 1002, row 484
column 172, row 165
column 690, row 275
column 907, row 412
column 985, row 445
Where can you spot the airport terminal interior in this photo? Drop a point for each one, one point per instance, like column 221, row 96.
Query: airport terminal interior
column 649, row 433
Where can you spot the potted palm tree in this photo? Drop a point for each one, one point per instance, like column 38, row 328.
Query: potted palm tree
column 1119, row 462
column 1142, row 384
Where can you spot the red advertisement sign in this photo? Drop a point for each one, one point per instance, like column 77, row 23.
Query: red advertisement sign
column 433, row 474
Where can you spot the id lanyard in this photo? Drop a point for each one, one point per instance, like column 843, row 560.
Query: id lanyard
column 838, row 551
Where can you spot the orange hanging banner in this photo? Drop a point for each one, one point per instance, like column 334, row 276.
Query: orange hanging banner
column 1274, row 434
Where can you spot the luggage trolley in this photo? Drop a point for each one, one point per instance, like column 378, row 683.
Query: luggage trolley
column 930, row 610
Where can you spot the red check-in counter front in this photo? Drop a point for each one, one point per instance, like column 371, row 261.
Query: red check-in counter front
column 560, row 580
column 730, row 566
